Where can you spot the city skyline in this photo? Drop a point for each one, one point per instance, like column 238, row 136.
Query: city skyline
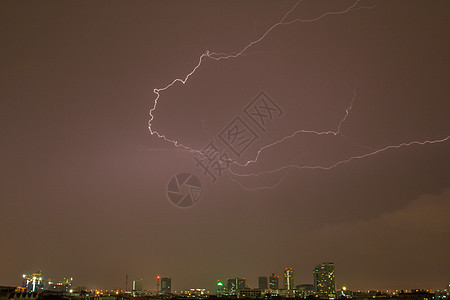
column 322, row 280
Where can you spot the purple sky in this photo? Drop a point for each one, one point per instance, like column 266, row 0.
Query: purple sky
column 83, row 182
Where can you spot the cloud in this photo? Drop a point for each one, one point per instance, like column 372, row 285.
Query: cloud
column 404, row 244
column 426, row 213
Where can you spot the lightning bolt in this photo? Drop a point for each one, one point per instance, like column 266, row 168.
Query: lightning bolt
column 303, row 131
column 232, row 175
column 332, row 166
column 219, row 56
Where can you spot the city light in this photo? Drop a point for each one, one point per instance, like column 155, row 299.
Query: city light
column 322, row 288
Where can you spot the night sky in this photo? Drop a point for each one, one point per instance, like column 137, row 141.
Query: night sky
column 84, row 183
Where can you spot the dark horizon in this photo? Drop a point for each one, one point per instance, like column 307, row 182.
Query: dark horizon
column 87, row 191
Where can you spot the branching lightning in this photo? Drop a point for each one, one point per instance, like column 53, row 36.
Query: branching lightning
column 334, row 165
column 303, row 131
column 287, row 168
column 219, row 56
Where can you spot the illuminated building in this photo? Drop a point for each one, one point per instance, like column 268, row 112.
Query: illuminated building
column 195, row 292
column 33, row 282
column 231, row 285
column 248, row 293
column 138, row 285
column 288, row 279
column 304, row 290
column 324, row 281
column 234, row 284
column 59, row 286
column 263, row 283
column 241, row 283
column 273, row 282
column 221, row 290
column 166, row 285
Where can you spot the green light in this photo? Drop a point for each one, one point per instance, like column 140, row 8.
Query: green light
column 219, row 283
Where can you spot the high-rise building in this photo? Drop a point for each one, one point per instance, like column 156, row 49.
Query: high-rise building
column 231, row 285
column 138, row 285
column 289, row 283
column 241, row 283
column 234, row 284
column 221, row 289
column 324, row 281
column 273, row 282
column 33, row 282
column 166, row 285
column 263, row 283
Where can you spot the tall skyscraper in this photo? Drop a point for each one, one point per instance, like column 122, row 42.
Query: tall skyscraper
column 263, row 283
column 324, row 281
column 289, row 283
column 241, row 283
column 273, row 282
column 166, row 285
column 235, row 284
